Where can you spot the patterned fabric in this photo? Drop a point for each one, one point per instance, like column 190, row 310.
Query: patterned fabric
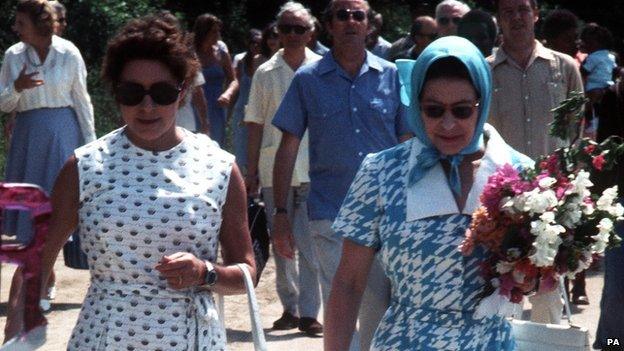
column 434, row 287
column 65, row 76
column 137, row 206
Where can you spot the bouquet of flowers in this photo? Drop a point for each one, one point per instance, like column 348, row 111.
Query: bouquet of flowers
column 543, row 222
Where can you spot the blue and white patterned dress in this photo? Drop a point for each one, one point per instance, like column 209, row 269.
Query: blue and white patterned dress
column 417, row 231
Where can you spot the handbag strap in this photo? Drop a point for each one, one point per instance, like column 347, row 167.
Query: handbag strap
column 566, row 301
column 254, row 311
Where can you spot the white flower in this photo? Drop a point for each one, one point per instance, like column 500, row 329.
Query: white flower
column 547, row 240
column 607, row 198
column 503, row 267
column 580, row 183
column 583, row 264
column 547, row 182
column 495, row 305
column 535, row 201
column 616, row 210
column 507, row 205
column 602, row 238
column 588, row 208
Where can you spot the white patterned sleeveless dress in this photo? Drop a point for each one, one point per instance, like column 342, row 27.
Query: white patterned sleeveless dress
column 137, row 206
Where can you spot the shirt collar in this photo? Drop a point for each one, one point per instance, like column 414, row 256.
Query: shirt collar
column 329, row 64
column 58, row 44
column 432, row 195
column 539, row 51
column 277, row 61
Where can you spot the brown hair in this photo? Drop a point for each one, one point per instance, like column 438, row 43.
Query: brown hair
column 203, row 26
column 41, row 13
column 150, row 38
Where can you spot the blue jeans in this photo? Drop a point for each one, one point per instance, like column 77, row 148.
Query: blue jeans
column 376, row 298
column 297, row 291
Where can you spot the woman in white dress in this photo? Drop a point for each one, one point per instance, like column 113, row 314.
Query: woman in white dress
column 153, row 202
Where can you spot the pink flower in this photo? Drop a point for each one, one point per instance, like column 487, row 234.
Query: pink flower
column 589, row 149
column 499, row 185
column 598, row 162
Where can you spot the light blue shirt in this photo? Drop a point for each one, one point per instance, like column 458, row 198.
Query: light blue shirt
column 599, row 66
column 347, row 118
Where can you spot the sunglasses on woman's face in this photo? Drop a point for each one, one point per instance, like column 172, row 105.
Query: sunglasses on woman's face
column 162, row 93
column 343, row 15
column 291, row 28
column 461, row 111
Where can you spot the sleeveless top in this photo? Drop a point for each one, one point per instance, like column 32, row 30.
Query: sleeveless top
column 137, row 206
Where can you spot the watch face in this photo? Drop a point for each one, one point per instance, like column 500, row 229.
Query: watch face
column 211, row 277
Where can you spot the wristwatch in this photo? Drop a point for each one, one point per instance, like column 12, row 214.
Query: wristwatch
column 211, row 274
column 279, row 210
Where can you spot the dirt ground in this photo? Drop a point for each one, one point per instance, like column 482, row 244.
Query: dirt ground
column 72, row 285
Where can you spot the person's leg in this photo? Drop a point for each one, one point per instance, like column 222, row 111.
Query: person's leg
column 15, row 307
column 309, row 293
column 375, row 302
column 285, row 274
column 579, row 295
column 329, row 250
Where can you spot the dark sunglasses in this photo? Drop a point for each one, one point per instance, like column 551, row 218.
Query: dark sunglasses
column 446, row 20
column 131, row 94
column 459, row 111
column 344, row 15
column 290, row 28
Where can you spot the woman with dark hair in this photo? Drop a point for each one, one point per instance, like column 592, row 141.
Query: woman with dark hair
column 244, row 69
column 153, row 203
column 269, row 44
column 43, row 80
column 218, row 73
column 447, row 92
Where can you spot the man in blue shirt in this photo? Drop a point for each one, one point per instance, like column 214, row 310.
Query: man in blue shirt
column 349, row 103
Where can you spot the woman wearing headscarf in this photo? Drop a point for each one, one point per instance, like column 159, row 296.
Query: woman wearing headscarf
column 413, row 203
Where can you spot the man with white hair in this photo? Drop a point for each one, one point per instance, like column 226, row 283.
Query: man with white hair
column 448, row 13
column 298, row 291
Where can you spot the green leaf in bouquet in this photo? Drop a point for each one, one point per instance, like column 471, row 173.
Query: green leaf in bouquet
column 568, row 114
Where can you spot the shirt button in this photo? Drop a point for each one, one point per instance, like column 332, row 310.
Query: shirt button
column 528, row 120
column 524, row 75
column 360, row 154
column 529, row 142
column 357, row 131
column 526, row 97
column 355, row 109
column 353, row 86
column 385, row 111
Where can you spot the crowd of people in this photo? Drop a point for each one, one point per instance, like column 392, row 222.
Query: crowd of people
column 368, row 155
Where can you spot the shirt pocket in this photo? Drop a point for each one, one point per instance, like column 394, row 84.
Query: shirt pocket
column 326, row 121
column 556, row 91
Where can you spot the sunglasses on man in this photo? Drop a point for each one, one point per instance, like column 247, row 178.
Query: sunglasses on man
column 446, row 20
column 162, row 93
column 343, row 15
column 292, row 28
column 461, row 111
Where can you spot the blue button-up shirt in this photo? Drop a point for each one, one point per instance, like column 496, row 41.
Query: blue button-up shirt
column 347, row 118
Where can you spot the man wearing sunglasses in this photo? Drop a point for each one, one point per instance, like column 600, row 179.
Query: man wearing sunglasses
column 298, row 291
column 529, row 80
column 448, row 13
column 349, row 103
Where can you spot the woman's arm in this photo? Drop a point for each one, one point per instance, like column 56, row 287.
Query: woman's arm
column 184, row 270
column 346, row 294
column 64, row 219
column 81, row 99
column 199, row 102
column 227, row 98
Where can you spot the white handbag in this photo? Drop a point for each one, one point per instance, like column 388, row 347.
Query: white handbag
column 531, row 336
column 254, row 311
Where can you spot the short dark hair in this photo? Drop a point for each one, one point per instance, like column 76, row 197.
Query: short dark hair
column 203, row 26
column 557, row 22
column 41, row 13
column 150, row 38
column 601, row 35
column 533, row 2
column 448, row 67
column 479, row 16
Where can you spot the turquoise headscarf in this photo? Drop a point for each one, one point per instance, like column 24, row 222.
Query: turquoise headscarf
column 412, row 74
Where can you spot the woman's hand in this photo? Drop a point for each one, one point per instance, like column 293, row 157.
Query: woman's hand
column 25, row 81
column 225, row 100
column 182, row 270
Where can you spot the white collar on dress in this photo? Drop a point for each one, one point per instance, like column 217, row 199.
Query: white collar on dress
column 432, row 195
